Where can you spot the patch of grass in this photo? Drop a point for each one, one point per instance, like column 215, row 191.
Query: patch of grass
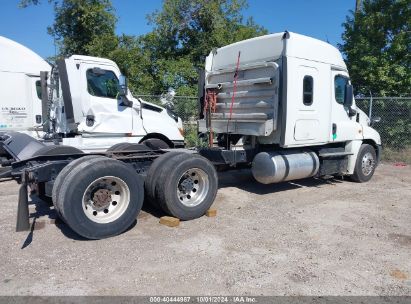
column 394, row 155
column 191, row 137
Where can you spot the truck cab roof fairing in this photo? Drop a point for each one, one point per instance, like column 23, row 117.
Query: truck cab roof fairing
column 270, row 48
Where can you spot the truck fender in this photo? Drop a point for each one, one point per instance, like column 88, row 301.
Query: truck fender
column 158, row 136
column 370, row 134
column 19, row 145
column 353, row 147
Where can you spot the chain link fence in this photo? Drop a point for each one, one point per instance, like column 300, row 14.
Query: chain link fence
column 186, row 107
column 394, row 127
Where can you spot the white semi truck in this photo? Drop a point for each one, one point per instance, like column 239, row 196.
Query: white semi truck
column 281, row 105
column 292, row 100
column 77, row 103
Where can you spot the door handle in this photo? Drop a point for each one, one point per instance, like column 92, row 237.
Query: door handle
column 89, row 120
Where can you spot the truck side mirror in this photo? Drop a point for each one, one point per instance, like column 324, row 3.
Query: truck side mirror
column 348, row 100
column 375, row 119
column 348, row 96
column 122, row 90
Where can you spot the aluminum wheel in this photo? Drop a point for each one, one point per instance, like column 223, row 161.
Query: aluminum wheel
column 192, row 187
column 106, row 199
column 367, row 164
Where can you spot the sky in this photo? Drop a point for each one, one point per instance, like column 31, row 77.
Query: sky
column 321, row 19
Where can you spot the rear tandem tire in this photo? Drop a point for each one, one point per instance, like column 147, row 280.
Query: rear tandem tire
column 187, row 187
column 62, row 176
column 116, row 147
column 57, row 149
column 156, row 144
column 100, row 198
column 136, row 147
column 128, row 147
column 156, row 168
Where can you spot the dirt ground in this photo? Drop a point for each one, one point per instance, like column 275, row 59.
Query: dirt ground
column 310, row 237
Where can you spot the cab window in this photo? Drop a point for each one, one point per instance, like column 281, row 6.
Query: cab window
column 38, row 89
column 339, row 87
column 102, row 83
column 308, row 86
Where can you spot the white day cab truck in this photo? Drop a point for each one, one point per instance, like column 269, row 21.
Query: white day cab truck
column 76, row 105
column 280, row 104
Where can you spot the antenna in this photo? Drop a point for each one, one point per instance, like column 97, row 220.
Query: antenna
column 55, row 47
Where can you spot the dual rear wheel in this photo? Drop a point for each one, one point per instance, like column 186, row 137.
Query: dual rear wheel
column 99, row 197
column 183, row 185
column 148, row 144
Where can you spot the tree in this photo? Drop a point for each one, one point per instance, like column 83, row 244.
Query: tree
column 185, row 31
column 377, row 46
column 25, row 3
column 134, row 62
column 80, row 25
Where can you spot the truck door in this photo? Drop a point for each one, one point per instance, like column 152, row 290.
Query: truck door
column 36, row 112
column 343, row 127
column 105, row 112
column 308, row 104
column 138, row 128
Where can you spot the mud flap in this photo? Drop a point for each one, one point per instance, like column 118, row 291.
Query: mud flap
column 22, row 223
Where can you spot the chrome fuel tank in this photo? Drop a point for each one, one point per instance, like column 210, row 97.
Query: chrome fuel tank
column 275, row 167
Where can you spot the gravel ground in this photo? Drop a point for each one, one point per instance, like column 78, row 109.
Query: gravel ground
column 310, row 237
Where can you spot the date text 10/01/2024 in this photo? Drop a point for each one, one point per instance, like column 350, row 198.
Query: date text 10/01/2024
column 203, row 299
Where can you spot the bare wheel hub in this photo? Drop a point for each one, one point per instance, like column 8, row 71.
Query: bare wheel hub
column 102, row 198
column 187, row 185
column 106, row 199
column 193, row 186
column 367, row 164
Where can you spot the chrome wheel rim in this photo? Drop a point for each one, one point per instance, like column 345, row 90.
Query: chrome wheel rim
column 193, row 187
column 106, row 199
column 367, row 163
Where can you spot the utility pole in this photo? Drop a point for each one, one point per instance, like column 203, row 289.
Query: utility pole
column 357, row 6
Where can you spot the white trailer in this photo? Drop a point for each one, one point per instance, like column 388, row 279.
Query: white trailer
column 77, row 104
column 20, row 91
column 280, row 104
